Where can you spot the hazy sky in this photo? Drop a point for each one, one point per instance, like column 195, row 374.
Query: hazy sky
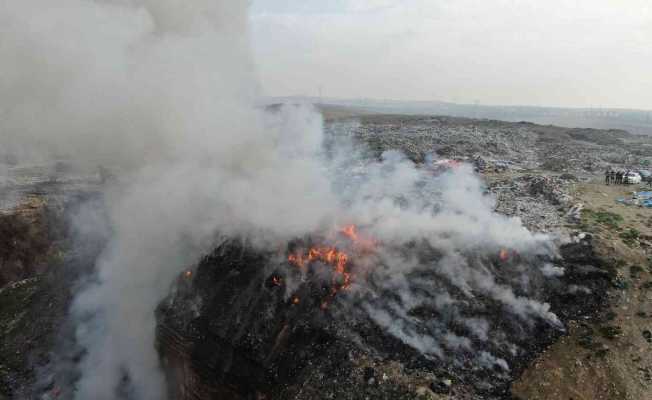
column 553, row 52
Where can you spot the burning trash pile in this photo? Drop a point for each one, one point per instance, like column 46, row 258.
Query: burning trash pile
column 293, row 300
column 302, row 319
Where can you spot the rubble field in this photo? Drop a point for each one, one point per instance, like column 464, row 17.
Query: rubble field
column 519, row 145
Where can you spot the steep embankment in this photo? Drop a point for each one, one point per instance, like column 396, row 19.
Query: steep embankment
column 30, row 304
column 42, row 256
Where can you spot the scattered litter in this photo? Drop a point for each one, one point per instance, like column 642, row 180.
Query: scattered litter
column 574, row 215
column 642, row 199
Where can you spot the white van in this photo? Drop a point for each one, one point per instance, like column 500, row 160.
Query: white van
column 632, row 178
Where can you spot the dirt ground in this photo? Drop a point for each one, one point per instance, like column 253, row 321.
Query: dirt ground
column 609, row 356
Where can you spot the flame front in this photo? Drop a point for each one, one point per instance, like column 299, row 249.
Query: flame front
column 335, row 257
column 327, row 255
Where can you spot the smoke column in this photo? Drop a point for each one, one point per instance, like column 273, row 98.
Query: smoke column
column 163, row 91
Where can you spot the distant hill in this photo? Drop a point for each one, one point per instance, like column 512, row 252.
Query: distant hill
column 634, row 121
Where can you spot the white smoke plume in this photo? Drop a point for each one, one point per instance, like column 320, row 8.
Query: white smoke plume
column 163, row 92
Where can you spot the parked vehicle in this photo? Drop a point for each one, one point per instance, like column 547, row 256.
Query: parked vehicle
column 632, row 178
column 646, row 176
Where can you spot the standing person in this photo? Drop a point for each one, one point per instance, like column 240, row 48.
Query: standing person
column 607, row 175
column 612, row 176
column 619, row 177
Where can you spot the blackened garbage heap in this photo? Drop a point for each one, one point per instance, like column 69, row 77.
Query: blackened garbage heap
column 254, row 324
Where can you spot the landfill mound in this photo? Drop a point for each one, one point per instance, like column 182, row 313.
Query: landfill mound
column 232, row 329
column 522, row 145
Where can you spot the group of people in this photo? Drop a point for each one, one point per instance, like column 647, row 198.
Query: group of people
column 615, row 177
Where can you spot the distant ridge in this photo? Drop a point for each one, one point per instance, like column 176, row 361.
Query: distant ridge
column 634, row 121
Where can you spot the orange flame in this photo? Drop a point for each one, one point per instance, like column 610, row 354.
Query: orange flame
column 328, row 255
column 338, row 260
column 504, row 255
column 188, row 274
column 351, row 232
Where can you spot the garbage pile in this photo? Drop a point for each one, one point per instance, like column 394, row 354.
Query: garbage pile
column 240, row 327
column 448, row 137
column 525, row 145
column 550, row 187
column 535, row 199
column 485, row 165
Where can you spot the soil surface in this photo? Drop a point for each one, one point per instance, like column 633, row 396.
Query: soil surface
column 608, row 357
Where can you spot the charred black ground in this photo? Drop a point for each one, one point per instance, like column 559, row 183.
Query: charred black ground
column 229, row 328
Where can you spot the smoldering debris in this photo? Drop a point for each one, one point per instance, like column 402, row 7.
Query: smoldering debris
column 430, row 294
column 239, row 320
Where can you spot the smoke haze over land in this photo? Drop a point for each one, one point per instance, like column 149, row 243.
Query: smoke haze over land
column 164, row 93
